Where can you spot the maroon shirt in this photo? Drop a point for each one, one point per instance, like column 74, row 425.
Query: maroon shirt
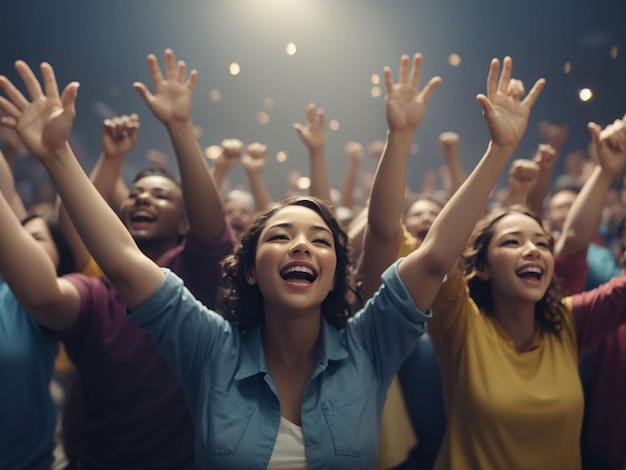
column 135, row 413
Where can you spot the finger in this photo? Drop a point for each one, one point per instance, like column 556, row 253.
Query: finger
column 403, row 73
column 594, row 130
column 299, row 129
column 29, row 79
column 534, row 92
column 68, row 98
column 431, row 86
column 170, row 65
column 8, row 121
column 505, row 76
column 15, row 96
column 9, row 108
column 310, row 113
column 388, row 79
column 49, row 81
column 191, row 81
column 486, row 104
column 416, row 70
column 492, row 77
column 155, row 70
column 320, row 116
column 182, row 69
column 143, row 91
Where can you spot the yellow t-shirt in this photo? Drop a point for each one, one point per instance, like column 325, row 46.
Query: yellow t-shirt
column 505, row 410
column 397, row 436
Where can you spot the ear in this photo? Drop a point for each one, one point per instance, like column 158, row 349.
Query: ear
column 183, row 226
column 484, row 273
column 251, row 277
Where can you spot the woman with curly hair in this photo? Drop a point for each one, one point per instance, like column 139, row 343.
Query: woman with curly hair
column 509, row 345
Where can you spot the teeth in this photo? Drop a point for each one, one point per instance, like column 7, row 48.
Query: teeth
column 530, row 269
column 301, row 269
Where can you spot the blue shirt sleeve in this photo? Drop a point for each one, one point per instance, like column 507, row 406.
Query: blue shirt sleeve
column 389, row 324
column 188, row 334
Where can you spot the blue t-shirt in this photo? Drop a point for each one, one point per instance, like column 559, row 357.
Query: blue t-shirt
column 233, row 398
column 27, row 413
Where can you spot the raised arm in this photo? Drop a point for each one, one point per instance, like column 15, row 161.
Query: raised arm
column 583, row 218
column 313, row 135
column 44, row 123
column 405, row 105
column 423, row 270
column 545, row 157
column 228, row 155
column 354, row 154
column 253, row 161
column 523, row 176
column 171, row 104
column 449, row 143
column 7, row 188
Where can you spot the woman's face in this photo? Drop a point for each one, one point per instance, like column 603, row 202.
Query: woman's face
column 520, row 264
column 295, row 261
column 38, row 228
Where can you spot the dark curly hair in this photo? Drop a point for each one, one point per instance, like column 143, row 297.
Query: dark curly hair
column 243, row 303
column 66, row 257
column 549, row 311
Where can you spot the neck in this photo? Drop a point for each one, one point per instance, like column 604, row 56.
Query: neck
column 518, row 320
column 154, row 249
column 292, row 342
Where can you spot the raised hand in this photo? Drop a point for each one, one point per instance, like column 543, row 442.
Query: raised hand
column 376, row 148
column 255, row 158
column 506, row 115
column 610, row 145
column 44, row 123
column 119, row 135
column 406, row 104
column 545, row 157
column 449, row 143
column 313, row 134
column 523, row 176
column 171, row 101
column 354, row 151
column 553, row 134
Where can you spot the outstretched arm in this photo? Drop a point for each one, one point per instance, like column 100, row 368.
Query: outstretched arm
column 423, row 270
column 545, row 158
column 449, row 143
column 253, row 162
column 227, row 155
column 171, row 104
column 522, row 178
column 44, row 123
column 7, row 188
column 583, row 218
column 354, row 152
column 406, row 106
column 313, row 135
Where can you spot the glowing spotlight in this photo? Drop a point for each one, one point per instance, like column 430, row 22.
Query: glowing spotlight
column 567, row 67
column 375, row 91
column 304, row 182
column 281, row 157
column 291, row 48
column 212, row 152
column 334, row 125
column 454, row 60
column 614, row 52
column 375, row 79
column 215, row 95
column 234, row 68
column 268, row 103
column 262, row 117
column 585, row 94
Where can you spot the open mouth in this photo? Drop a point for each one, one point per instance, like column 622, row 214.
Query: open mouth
column 142, row 217
column 532, row 273
column 298, row 273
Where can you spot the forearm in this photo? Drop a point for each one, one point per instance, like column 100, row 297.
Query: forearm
column 200, row 192
column 583, row 217
column 517, row 197
column 457, row 174
column 320, row 188
column 387, row 194
column 539, row 192
column 7, row 188
column 259, row 191
column 348, row 185
column 106, row 176
column 79, row 250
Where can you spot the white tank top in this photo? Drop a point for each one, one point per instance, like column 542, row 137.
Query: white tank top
column 289, row 452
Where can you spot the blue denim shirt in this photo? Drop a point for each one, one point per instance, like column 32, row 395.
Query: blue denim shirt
column 233, row 399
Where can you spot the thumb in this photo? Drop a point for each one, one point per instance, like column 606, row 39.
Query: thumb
column 143, row 91
column 68, row 98
column 595, row 130
column 486, row 104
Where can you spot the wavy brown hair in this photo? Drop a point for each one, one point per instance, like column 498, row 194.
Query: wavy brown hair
column 243, row 303
column 549, row 311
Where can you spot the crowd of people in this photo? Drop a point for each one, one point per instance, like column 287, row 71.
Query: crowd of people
column 190, row 325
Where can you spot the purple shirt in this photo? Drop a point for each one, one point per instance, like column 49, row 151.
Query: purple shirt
column 135, row 413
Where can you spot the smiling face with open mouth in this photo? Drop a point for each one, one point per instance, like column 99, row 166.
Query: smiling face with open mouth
column 295, row 261
column 520, row 263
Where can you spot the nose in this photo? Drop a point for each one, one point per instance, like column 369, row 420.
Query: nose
column 301, row 246
column 142, row 197
column 532, row 251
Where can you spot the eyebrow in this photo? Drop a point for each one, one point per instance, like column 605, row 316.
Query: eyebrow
column 518, row 233
column 311, row 228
